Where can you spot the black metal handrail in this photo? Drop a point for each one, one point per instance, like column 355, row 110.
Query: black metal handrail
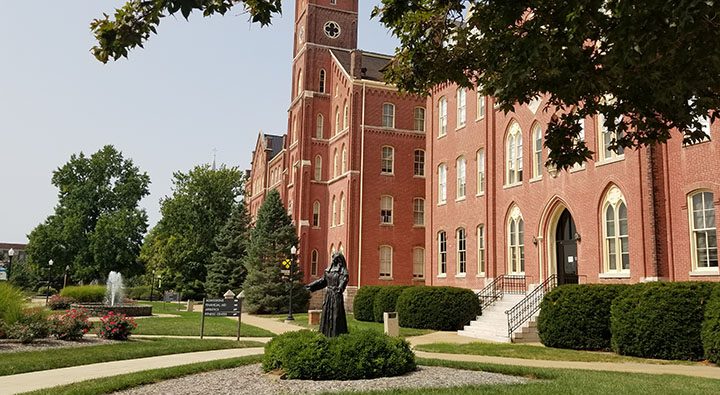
column 524, row 310
column 503, row 284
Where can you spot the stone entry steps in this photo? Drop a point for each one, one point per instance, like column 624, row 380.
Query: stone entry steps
column 492, row 324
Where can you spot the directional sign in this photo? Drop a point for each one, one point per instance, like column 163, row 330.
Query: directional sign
column 221, row 308
column 3, row 274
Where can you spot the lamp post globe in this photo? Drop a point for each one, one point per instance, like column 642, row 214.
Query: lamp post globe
column 47, row 289
column 11, row 253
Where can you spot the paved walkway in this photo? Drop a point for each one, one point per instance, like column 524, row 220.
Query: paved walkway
column 272, row 324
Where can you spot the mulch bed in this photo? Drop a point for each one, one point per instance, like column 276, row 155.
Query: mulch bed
column 10, row 346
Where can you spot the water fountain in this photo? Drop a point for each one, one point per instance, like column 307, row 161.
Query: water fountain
column 115, row 295
column 115, row 300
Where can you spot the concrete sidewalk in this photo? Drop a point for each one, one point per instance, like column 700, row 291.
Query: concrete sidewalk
column 272, row 324
column 50, row 378
column 232, row 338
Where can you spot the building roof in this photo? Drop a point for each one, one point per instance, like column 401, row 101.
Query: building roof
column 15, row 246
column 371, row 64
column 274, row 145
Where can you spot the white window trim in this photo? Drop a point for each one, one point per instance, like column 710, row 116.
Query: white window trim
column 481, row 273
column 513, row 167
column 380, row 249
column 461, row 109
column 602, row 151
column 442, row 117
column 458, row 180
column 614, row 198
column 442, row 186
column 392, row 209
column 695, row 269
column 441, row 273
column 392, row 115
column 415, row 162
column 415, row 119
column 458, row 271
column 515, row 215
column 421, row 275
column 480, row 164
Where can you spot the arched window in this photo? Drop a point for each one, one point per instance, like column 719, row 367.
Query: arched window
column 537, row 151
column 616, row 255
column 319, row 124
column 337, row 120
column 344, row 159
column 321, row 88
column 703, row 231
column 514, row 155
column 607, row 138
column 461, row 107
column 418, row 262
column 387, row 159
column 318, row 168
column 346, row 116
column 299, row 88
column 386, row 261
column 332, row 249
column 336, row 163
column 419, row 165
column 461, row 239
column 386, row 210
column 480, row 171
column 419, row 119
column 295, row 128
column 316, row 215
column 442, row 183
column 461, row 177
column 481, row 249
column 342, row 208
column 442, row 253
column 388, row 116
column 334, row 212
column 314, row 256
column 516, row 244
column 442, row 116
column 419, row 212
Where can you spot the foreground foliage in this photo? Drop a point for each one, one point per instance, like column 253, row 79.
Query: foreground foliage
column 72, row 325
column 711, row 328
column 357, row 355
column 364, row 302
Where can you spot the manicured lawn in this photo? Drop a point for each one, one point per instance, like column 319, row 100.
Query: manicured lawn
column 353, row 324
column 30, row 361
column 536, row 352
column 188, row 324
column 125, row 381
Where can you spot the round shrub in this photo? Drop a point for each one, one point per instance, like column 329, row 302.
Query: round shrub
column 711, row 327
column 72, row 325
column 31, row 325
column 57, row 302
column 660, row 320
column 116, row 326
column 577, row 316
column 300, row 355
column 439, row 308
column 386, row 300
column 364, row 303
column 85, row 293
column 358, row 355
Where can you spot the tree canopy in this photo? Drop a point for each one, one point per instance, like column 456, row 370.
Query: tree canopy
column 650, row 67
column 227, row 270
column 97, row 225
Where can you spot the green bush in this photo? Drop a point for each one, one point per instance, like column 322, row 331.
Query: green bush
column 85, row 293
column 141, row 292
column 660, row 320
column 364, row 303
column 3, row 329
column 46, row 290
column 439, row 308
column 31, row 325
column 577, row 316
column 57, row 302
column 386, row 300
column 11, row 303
column 358, row 355
column 711, row 327
column 72, row 325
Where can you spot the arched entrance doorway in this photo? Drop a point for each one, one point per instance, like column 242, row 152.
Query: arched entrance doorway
column 566, row 250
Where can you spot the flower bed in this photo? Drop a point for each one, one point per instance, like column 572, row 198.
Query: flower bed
column 99, row 309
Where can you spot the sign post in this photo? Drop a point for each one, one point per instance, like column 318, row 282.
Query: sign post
column 228, row 307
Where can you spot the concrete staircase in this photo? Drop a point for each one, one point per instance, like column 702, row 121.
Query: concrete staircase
column 492, row 325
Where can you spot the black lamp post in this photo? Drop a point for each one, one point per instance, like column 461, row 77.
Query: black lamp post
column 293, row 256
column 152, row 285
column 11, row 253
column 47, row 290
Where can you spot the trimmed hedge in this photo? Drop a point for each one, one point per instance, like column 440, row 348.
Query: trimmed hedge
column 711, row 327
column 439, row 308
column 358, row 355
column 85, row 293
column 141, row 292
column 577, row 316
column 660, row 320
column 364, row 303
column 386, row 300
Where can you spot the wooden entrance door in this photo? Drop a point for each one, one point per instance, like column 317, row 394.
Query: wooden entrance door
column 566, row 250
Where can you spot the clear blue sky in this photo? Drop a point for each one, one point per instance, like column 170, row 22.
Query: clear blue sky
column 198, row 85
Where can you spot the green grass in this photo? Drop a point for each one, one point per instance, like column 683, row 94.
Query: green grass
column 525, row 351
column 188, row 324
column 118, row 383
column 353, row 324
column 30, row 361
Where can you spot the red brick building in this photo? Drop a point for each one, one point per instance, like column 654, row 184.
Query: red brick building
column 350, row 169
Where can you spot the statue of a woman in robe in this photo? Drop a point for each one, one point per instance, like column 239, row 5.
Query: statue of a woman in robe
column 335, row 279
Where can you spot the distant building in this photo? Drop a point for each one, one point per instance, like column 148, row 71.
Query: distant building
column 19, row 257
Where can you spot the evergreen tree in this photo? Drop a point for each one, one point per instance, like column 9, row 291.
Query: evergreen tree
column 266, row 289
column 226, row 270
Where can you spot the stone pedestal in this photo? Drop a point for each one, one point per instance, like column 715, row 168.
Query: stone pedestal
column 314, row 317
column 392, row 328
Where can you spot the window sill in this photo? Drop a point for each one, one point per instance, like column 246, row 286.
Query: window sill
column 442, row 203
column 442, row 275
column 705, row 272
column 386, row 174
column 461, row 275
column 385, row 278
column 315, row 227
column 610, row 161
column 614, row 275
column 535, row 179
column 460, row 199
column 419, row 279
column 481, row 194
column 480, row 275
column 417, row 176
column 441, row 135
column 509, row 186
column 479, row 119
column 419, row 226
column 386, row 224
column 460, row 127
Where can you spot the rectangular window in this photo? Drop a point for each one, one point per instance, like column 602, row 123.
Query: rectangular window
column 481, row 171
column 442, row 117
column 703, row 231
column 419, row 165
column 386, row 208
column 461, row 105
column 388, row 119
column 418, row 262
column 419, row 212
column 480, row 105
column 461, row 251
column 481, row 249
column 314, row 263
column 607, row 137
column 442, row 183
column 442, row 253
column 385, row 261
column 419, row 119
column 461, row 179
column 386, row 160
column 537, row 151
column 316, row 214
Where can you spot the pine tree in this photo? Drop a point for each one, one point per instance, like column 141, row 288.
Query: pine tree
column 226, row 270
column 266, row 289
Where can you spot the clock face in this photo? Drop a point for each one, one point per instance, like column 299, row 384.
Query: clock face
column 332, row 29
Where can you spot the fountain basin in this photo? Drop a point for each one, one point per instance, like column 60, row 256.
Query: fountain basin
column 101, row 309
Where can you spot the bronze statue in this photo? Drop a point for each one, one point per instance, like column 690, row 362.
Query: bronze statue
column 335, row 278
